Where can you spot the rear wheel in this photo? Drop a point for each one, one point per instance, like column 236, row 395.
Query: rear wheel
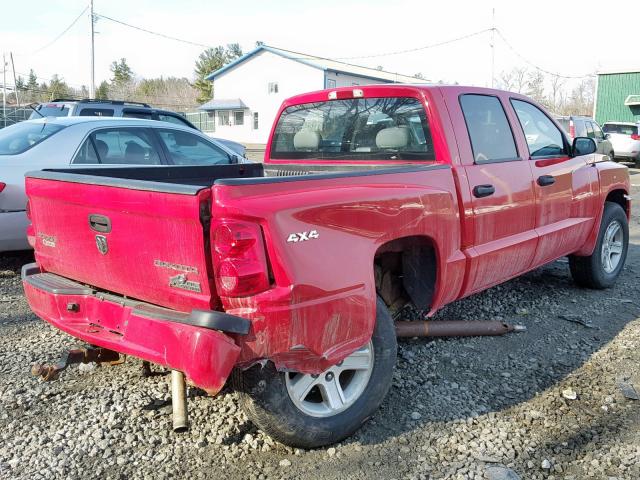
column 602, row 268
column 304, row 410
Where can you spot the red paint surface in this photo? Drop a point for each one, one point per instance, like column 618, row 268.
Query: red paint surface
column 320, row 305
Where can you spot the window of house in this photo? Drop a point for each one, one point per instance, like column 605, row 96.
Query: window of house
column 331, row 83
column 255, row 120
column 273, row 87
column 223, row 117
column 489, row 130
column 238, row 118
column 543, row 137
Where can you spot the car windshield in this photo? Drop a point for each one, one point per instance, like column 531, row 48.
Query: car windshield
column 22, row 136
column 620, row 128
column 50, row 110
column 394, row 128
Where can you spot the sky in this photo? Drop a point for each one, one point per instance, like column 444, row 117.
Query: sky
column 553, row 35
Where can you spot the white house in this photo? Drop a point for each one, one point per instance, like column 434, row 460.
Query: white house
column 249, row 91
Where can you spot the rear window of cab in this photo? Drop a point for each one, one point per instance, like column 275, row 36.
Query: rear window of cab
column 22, row 136
column 385, row 128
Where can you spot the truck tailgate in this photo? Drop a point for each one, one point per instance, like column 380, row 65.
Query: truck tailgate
column 147, row 245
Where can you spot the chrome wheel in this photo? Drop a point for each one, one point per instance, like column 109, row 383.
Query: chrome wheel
column 612, row 246
column 335, row 389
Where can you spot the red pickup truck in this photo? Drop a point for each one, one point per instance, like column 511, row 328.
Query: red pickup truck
column 284, row 273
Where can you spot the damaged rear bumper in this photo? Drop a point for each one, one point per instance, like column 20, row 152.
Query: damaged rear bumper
column 194, row 344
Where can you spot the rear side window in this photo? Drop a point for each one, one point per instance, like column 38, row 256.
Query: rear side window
column 137, row 114
column 489, row 130
column 119, row 146
column 543, row 137
column 96, row 112
column 621, row 129
column 388, row 128
column 188, row 149
column 163, row 117
column 22, row 136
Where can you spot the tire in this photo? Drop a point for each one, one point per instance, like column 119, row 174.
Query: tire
column 265, row 397
column 593, row 271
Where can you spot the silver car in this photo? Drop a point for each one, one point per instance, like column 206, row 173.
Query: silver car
column 625, row 140
column 580, row 126
column 90, row 141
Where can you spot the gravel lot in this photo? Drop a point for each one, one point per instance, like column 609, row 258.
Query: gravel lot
column 459, row 408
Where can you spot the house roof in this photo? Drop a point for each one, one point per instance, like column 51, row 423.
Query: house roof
column 224, row 104
column 321, row 63
column 615, row 72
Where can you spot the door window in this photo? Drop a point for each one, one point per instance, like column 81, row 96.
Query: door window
column 597, row 132
column 189, row 149
column 543, row 137
column 119, row 146
column 590, row 133
column 489, row 130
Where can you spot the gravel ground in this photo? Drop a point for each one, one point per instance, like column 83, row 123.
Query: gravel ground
column 459, row 408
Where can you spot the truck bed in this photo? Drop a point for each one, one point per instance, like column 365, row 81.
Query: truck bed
column 190, row 180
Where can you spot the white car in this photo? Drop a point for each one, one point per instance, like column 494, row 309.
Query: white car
column 625, row 140
column 91, row 141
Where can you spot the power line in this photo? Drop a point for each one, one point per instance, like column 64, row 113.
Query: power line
column 417, row 49
column 525, row 60
column 57, row 38
column 189, row 42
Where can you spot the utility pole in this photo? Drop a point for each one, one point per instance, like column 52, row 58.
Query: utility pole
column 493, row 46
column 92, row 85
column 15, row 80
column 4, row 90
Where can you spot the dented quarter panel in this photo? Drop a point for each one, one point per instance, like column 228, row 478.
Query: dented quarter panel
column 323, row 304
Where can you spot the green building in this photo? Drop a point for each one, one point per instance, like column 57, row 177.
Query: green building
column 618, row 97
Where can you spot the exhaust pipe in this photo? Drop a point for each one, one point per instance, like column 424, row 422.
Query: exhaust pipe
column 454, row 328
column 179, row 401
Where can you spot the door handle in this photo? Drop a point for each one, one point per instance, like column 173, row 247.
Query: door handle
column 100, row 223
column 546, row 180
column 480, row 191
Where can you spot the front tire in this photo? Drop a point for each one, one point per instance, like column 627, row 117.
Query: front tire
column 602, row 268
column 308, row 411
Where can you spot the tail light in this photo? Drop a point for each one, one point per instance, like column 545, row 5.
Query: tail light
column 635, row 136
column 2, row 185
column 240, row 260
column 572, row 129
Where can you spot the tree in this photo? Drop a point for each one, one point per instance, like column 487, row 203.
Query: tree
column 209, row 61
column 122, row 73
column 535, row 86
column 57, row 88
column 102, row 92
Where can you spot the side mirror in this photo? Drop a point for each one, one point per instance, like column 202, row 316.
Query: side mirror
column 607, row 136
column 583, row 146
column 234, row 159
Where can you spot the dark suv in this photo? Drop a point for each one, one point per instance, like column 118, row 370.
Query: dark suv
column 65, row 107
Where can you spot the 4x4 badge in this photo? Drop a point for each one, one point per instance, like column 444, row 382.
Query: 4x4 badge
column 101, row 243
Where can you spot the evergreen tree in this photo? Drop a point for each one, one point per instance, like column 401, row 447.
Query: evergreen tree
column 122, row 73
column 102, row 92
column 209, row 61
